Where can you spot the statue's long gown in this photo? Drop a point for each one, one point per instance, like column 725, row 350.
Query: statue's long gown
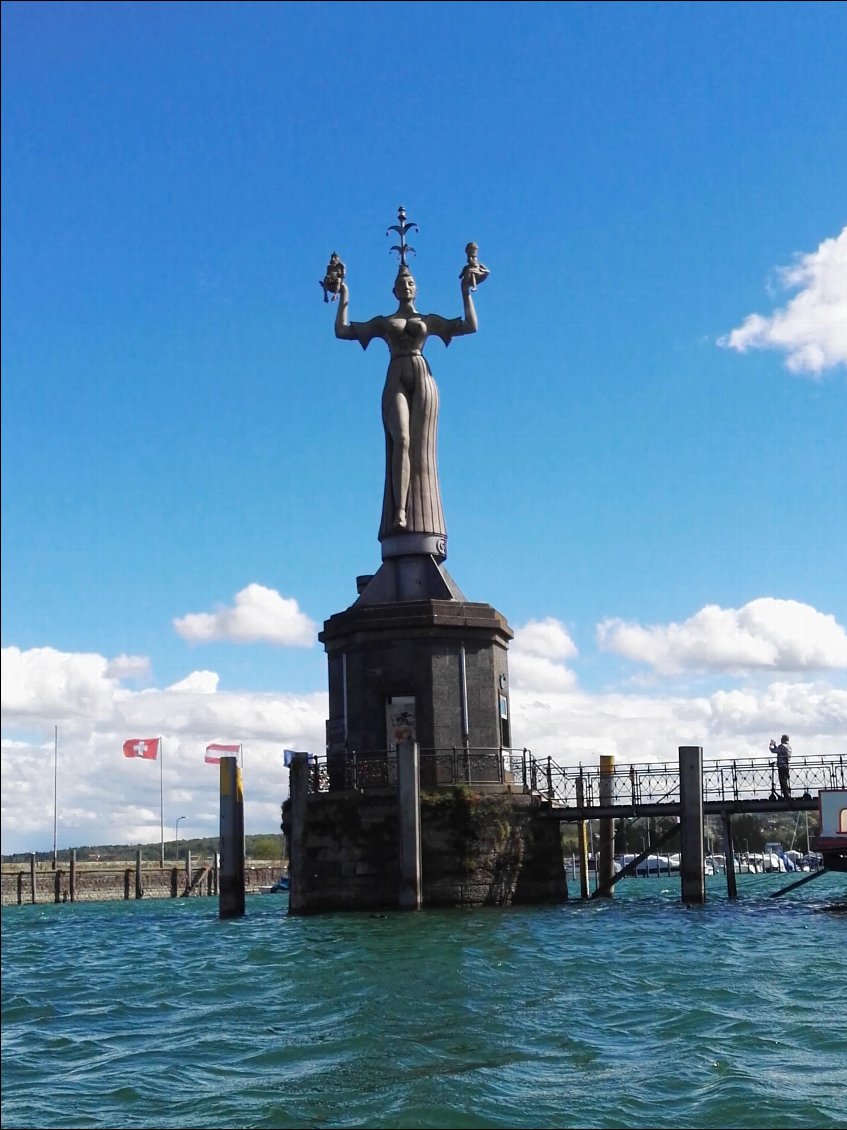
column 409, row 370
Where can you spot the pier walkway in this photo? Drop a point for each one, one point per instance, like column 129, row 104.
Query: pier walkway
column 573, row 794
column 643, row 790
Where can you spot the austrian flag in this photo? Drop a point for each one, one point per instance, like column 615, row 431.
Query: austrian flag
column 148, row 748
column 214, row 751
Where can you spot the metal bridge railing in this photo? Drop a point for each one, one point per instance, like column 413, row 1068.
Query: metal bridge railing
column 568, row 787
column 456, row 765
column 634, row 785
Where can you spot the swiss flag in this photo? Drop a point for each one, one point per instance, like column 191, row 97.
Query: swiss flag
column 148, row 748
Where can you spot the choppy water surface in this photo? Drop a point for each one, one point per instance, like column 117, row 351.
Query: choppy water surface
column 631, row 1013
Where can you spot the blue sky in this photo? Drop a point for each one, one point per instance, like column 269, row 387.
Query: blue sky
column 641, row 451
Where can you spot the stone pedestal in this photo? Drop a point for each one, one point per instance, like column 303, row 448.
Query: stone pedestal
column 414, row 665
column 432, row 670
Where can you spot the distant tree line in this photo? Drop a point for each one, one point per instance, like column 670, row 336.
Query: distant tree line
column 269, row 846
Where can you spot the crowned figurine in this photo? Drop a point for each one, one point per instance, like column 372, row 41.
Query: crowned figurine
column 333, row 278
column 473, row 270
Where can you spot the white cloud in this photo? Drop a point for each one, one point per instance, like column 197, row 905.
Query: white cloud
column 198, row 682
column 129, row 667
column 260, row 615
column 548, row 638
column 577, row 726
column 812, row 327
column 43, row 682
column 106, row 798
column 536, row 654
column 536, row 672
column 767, row 633
column 796, row 707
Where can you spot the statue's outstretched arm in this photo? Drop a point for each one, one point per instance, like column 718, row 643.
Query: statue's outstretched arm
column 343, row 329
column 468, row 324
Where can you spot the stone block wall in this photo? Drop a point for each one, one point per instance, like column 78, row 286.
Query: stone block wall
column 489, row 849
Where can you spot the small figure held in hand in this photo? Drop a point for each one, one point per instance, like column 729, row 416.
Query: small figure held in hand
column 783, row 761
column 473, row 272
column 333, row 278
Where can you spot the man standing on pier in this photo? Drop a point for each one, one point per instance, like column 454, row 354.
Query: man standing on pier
column 783, row 760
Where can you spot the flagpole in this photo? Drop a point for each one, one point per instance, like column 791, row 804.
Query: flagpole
column 162, row 797
column 55, row 791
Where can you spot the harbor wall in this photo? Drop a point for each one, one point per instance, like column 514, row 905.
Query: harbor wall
column 21, row 885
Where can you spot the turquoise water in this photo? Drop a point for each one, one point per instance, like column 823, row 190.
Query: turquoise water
column 637, row 1012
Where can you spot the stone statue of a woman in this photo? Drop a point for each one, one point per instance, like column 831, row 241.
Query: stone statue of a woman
column 412, row 499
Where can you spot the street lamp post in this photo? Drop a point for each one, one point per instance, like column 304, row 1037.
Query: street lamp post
column 176, row 833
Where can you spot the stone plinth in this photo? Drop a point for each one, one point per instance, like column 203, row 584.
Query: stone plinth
column 495, row 850
column 431, row 670
column 413, row 662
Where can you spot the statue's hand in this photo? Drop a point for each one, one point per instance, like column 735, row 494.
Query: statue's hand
column 471, row 278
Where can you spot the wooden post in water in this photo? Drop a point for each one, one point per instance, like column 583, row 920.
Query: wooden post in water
column 298, row 785
column 32, row 876
column 409, row 807
column 606, row 864
column 582, row 839
column 231, row 901
column 73, row 876
column 692, row 866
column 729, row 856
column 20, row 888
column 139, row 889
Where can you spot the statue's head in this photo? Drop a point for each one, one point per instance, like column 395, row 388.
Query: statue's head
column 404, row 285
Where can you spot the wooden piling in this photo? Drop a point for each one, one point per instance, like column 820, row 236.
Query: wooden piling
column 692, row 864
column 32, row 876
column 729, row 856
column 231, row 903
column 605, row 865
column 298, row 786
column 73, row 875
column 582, row 839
